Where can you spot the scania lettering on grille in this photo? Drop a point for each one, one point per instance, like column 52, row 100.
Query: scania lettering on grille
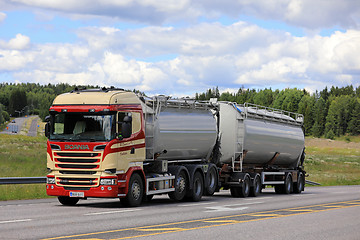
column 76, row 147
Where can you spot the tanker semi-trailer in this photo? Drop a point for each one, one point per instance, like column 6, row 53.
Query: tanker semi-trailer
column 116, row 144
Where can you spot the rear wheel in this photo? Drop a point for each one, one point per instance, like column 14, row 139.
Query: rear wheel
column 243, row 190
column 279, row 189
column 285, row 188
column 197, row 190
column 256, row 189
column 211, row 181
column 288, row 184
column 299, row 185
column 181, row 185
column 68, row 201
column 135, row 192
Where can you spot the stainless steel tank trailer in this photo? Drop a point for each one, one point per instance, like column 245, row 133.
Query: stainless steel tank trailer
column 113, row 143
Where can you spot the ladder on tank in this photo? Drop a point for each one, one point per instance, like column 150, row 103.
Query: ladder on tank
column 239, row 154
column 149, row 137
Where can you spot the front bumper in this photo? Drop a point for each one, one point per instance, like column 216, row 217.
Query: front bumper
column 102, row 191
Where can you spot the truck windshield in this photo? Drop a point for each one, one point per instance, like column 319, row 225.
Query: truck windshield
column 83, row 127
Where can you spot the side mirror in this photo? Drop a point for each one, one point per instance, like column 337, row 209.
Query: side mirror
column 126, row 127
column 47, row 129
column 47, row 126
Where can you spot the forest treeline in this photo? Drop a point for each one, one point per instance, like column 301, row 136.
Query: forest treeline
column 329, row 112
column 29, row 98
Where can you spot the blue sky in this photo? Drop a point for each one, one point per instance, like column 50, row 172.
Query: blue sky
column 181, row 47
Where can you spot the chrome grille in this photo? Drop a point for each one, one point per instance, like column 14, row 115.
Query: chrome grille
column 77, row 160
column 77, row 169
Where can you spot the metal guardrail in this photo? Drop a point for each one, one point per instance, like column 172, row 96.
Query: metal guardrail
column 312, row 183
column 22, row 180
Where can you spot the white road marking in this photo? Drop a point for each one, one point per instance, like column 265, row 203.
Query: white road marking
column 258, row 198
column 224, row 209
column 111, row 212
column 302, row 195
column 15, row 221
column 227, row 208
column 242, row 204
column 196, row 204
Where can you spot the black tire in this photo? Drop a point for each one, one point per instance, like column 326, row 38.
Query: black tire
column 279, row 189
column 135, row 192
column 288, row 186
column 147, row 198
column 235, row 191
column 196, row 192
column 299, row 185
column 255, row 190
column 181, row 186
column 243, row 190
column 68, row 201
column 285, row 188
column 211, row 180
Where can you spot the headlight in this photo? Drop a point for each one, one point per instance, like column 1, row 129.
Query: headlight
column 108, row 181
column 50, row 180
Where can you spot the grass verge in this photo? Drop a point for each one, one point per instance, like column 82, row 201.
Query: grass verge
column 332, row 162
column 22, row 156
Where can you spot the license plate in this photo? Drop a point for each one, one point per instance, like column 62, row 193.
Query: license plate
column 76, row 194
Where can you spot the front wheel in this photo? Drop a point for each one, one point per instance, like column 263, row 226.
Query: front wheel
column 68, row 201
column 135, row 192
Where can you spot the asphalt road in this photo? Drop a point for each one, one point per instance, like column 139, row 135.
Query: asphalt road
column 33, row 127
column 317, row 213
column 14, row 128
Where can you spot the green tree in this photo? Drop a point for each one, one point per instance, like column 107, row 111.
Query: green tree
column 319, row 114
column 1, row 115
column 264, row 97
column 339, row 115
column 306, row 106
column 17, row 101
column 344, row 105
column 354, row 124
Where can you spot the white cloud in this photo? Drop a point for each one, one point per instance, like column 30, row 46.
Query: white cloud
column 2, row 17
column 13, row 60
column 205, row 39
column 207, row 55
column 118, row 70
column 20, row 42
column 308, row 14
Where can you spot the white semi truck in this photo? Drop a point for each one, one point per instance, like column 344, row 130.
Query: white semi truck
column 116, row 144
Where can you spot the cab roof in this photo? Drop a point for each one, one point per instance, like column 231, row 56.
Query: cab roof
column 101, row 96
